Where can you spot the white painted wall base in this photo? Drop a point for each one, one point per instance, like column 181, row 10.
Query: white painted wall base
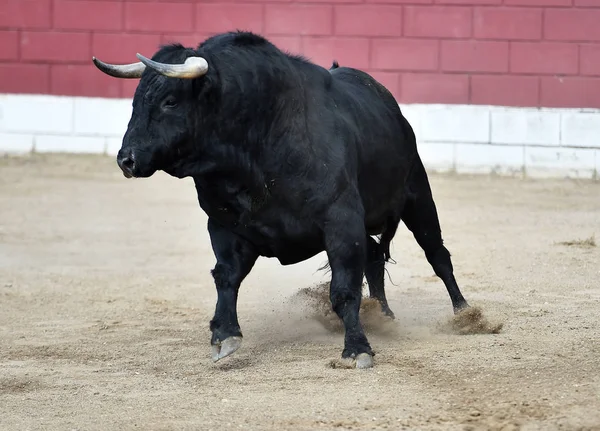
column 462, row 138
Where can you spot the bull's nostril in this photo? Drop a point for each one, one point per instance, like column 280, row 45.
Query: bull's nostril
column 128, row 163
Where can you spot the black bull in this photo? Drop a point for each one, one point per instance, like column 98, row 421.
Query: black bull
column 289, row 159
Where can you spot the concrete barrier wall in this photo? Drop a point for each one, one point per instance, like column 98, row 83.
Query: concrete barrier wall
column 555, row 142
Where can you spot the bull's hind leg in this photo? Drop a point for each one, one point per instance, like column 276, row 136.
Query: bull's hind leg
column 345, row 243
column 420, row 216
column 235, row 259
column 374, row 272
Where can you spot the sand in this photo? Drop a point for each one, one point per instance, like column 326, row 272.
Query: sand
column 106, row 297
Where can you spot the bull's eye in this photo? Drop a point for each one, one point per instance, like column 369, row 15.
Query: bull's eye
column 169, row 103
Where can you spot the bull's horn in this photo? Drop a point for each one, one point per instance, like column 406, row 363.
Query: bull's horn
column 192, row 68
column 133, row 70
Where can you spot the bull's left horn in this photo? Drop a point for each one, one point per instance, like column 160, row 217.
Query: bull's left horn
column 192, row 68
column 133, row 70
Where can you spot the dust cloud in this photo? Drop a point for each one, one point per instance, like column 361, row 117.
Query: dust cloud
column 471, row 321
column 315, row 303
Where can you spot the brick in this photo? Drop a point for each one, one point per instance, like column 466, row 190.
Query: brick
column 101, row 117
column 159, row 17
column 389, row 80
column 128, row 87
column 121, row 48
column 507, row 23
column 69, row 144
column 15, row 143
column 82, row 80
column 587, row 3
column 37, row 114
column 434, row 88
column 505, row 90
column 298, row 19
column 570, row 92
column 437, row 21
column 544, row 57
column 329, row 1
column 9, row 45
column 474, row 56
column 455, row 123
column 539, row 3
column 589, row 57
column 24, row 78
column 572, row 24
column 60, row 47
column 525, row 126
column 368, row 20
column 291, row 44
column 437, row 156
column 478, row 158
column 25, row 14
column 580, row 129
column 222, row 17
column 555, row 162
column 87, row 15
column 469, row 2
column 191, row 40
column 404, row 54
column 352, row 52
column 401, row 1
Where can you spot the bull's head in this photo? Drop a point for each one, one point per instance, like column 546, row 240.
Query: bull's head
column 160, row 132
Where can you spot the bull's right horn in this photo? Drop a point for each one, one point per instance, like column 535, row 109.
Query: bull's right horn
column 193, row 67
column 133, row 70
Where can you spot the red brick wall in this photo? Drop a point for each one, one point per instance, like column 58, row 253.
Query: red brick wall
column 502, row 52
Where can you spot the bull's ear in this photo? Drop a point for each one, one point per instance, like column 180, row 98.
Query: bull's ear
column 193, row 67
column 133, row 70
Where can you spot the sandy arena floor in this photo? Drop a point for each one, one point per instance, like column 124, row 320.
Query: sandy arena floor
column 106, row 296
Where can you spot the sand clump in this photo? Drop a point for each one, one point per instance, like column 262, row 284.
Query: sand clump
column 472, row 321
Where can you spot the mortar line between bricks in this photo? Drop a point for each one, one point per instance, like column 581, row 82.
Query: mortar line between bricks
column 52, row 23
column 19, row 50
column 560, row 129
column 332, row 23
column 122, row 16
column 544, row 23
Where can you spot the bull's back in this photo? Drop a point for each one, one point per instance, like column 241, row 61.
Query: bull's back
column 384, row 140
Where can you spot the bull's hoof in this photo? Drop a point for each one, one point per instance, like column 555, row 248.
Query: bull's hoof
column 364, row 360
column 225, row 348
column 460, row 307
column 387, row 311
column 361, row 361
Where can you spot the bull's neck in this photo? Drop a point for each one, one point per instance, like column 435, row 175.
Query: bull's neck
column 231, row 164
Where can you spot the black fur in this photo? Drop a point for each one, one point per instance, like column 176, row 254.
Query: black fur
column 289, row 159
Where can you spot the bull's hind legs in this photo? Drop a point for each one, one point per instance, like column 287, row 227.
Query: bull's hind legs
column 235, row 259
column 374, row 272
column 420, row 216
column 345, row 243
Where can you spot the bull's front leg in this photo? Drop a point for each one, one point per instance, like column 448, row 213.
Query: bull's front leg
column 235, row 258
column 345, row 242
